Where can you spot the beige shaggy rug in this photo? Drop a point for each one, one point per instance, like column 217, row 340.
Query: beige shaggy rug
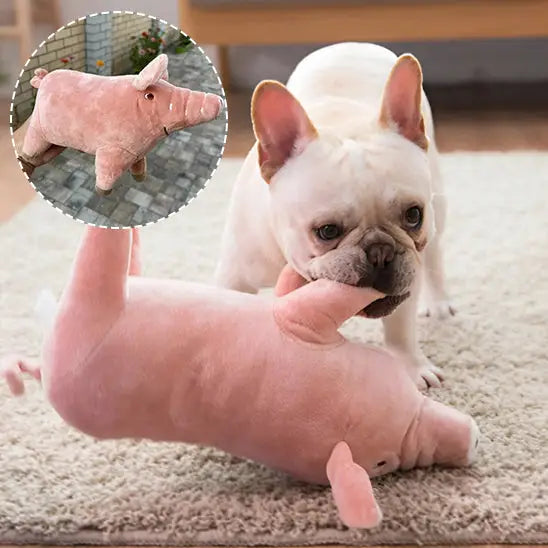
column 59, row 486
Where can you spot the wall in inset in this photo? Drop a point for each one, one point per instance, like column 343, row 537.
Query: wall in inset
column 67, row 45
column 125, row 31
column 98, row 44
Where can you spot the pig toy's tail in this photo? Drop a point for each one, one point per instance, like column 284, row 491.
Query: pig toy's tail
column 39, row 75
column 13, row 369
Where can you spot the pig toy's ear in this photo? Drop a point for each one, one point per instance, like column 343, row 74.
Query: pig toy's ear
column 352, row 490
column 155, row 71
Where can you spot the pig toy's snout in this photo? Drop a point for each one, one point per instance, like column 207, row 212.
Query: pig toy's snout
column 190, row 108
column 213, row 105
column 201, row 107
column 474, row 442
column 441, row 435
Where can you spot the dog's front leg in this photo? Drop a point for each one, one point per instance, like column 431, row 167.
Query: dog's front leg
column 400, row 333
column 435, row 301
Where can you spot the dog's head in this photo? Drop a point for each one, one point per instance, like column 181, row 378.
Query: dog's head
column 354, row 208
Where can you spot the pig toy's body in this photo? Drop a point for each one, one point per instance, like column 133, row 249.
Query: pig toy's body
column 66, row 95
column 117, row 118
column 270, row 380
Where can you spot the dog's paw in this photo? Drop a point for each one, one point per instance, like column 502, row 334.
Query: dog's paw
column 425, row 374
column 439, row 310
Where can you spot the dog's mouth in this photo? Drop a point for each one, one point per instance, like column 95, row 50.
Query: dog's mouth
column 383, row 307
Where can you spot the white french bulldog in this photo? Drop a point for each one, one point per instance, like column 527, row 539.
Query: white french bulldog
column 354, row 189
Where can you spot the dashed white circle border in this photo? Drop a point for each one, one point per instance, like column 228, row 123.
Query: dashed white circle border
column 118, row 12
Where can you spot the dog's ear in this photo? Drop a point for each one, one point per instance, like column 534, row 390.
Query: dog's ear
column 401, row 103
column 281, row 125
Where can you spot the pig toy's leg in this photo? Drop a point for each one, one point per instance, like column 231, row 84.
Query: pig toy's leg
column 30, row 164
column 100, row 270
column 139, row 170
column 110, row 163
column 34, row 144
column 12, row 369
column 47, row 156
column 352, row 489
column 91, row 302
column 135, row 258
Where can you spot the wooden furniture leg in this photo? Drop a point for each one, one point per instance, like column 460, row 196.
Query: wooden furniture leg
column 23, row 21
column 26, row 11
column 224, row 67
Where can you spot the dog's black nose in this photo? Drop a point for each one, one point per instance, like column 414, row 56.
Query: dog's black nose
column 380, row 255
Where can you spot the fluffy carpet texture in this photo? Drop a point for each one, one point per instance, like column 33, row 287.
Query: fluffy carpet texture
column 58, row 486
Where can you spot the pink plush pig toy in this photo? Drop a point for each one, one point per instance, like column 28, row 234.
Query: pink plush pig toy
column 117, row 118
column 269, row 379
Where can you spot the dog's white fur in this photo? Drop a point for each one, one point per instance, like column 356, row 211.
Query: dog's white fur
column 352, row 169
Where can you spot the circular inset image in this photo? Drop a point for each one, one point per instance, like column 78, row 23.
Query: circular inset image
column 118, row 119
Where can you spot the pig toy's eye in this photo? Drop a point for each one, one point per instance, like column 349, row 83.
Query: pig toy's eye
column 149, row 96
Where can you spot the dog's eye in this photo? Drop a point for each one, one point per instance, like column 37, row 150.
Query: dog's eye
column 328, row 232
column 149, row 96
column 413, row 217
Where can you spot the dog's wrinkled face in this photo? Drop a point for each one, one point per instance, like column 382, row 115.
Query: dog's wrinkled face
column 354, row 210
column 357, row 213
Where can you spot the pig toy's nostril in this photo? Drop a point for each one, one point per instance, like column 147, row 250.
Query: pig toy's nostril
column 208, row 108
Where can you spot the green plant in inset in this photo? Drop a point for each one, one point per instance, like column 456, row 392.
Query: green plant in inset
column 146, row 47
column 183, row 44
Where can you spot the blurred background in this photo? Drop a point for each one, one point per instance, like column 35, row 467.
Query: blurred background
column 484, row 61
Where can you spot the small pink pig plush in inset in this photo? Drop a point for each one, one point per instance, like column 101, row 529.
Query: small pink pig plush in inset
column 117, row 118
column 270, row 379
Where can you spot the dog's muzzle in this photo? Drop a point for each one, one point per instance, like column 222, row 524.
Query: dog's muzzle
column 384, row 273
column 384, row 307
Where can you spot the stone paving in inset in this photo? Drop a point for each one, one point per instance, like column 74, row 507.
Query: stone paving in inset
column 177, row 168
